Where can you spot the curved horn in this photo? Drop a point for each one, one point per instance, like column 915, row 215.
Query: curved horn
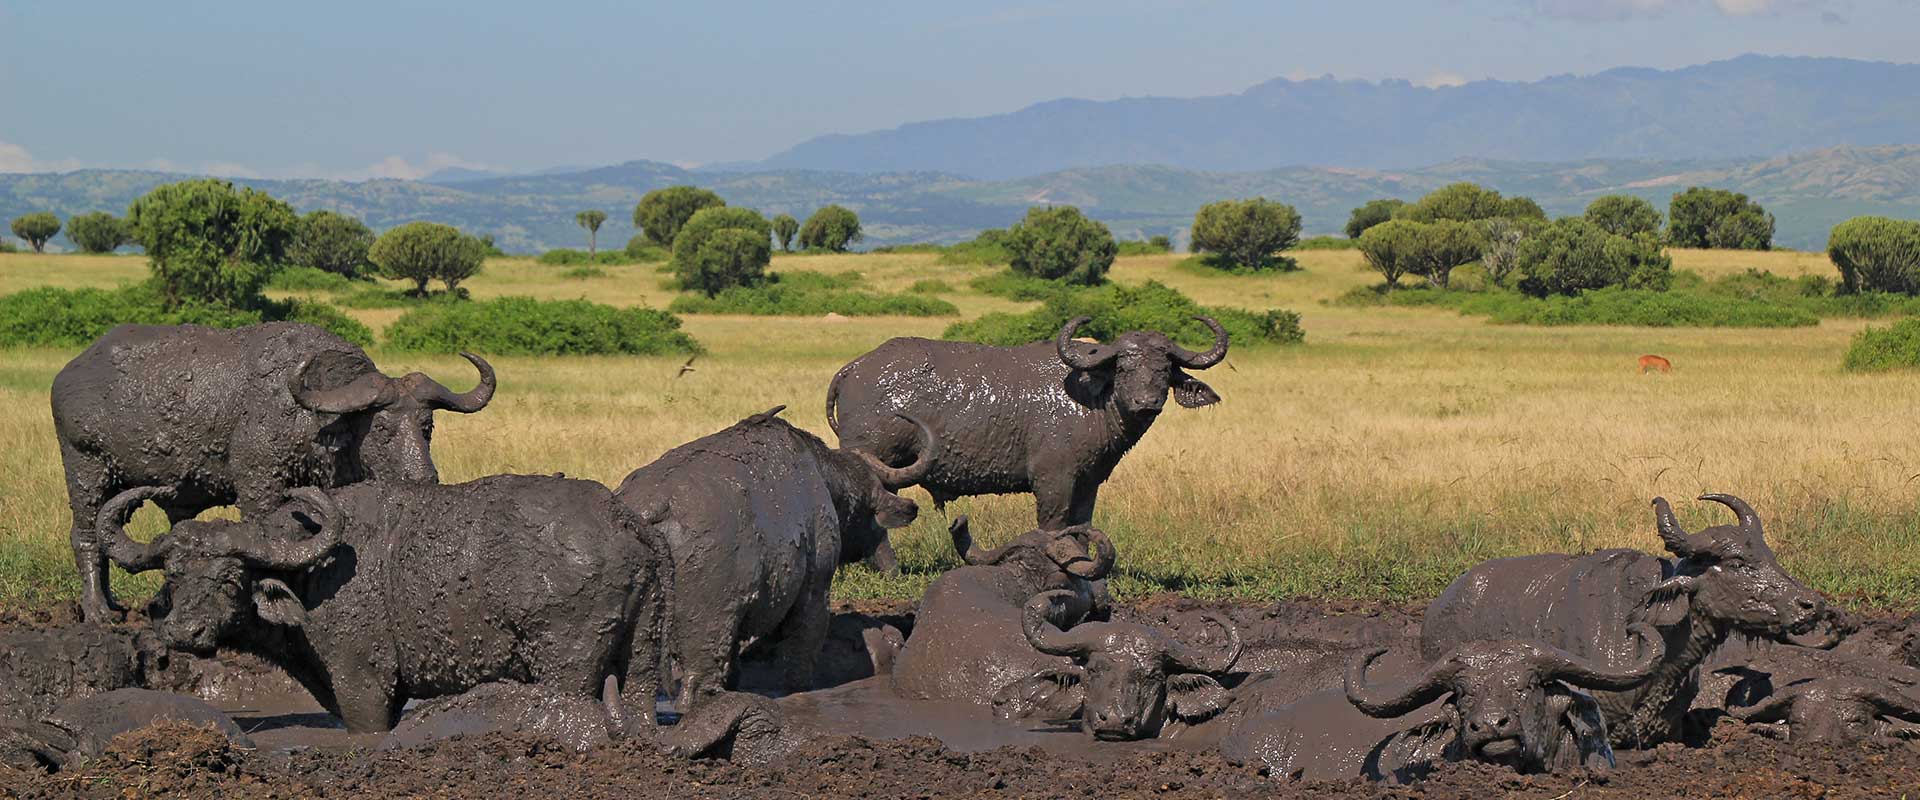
column 1749, row 521
column 291, row 554
column 1215, row 663
column 1191, row 360
column 1676, row 538
column 1375, row 702
column 1773, row 706
column 1103, row 557
column 370, row 390
column 968, row 551
column 1044, row 636
column 902, row 477
column 132, row 556
column 1080, row 355
column 1555, row 663
column 430, row 392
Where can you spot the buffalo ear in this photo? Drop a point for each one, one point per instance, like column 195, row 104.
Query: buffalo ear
column 1055, row 691
column 1192, row 697
column 1190, row 392
column 278, row 604
column 1589, row 728
column 1669, row 611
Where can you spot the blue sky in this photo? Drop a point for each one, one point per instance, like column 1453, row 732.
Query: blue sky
column 353, row 89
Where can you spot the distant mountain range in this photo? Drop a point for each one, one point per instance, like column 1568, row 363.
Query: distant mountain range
column 1809, row 192
column 1751, row 106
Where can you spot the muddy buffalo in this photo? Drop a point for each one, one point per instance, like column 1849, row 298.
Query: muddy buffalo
column 1839, row 709
column 967, row 638
column 758, row 516
column 1724, row 579
column 1052, row 418
column 1128, row 680
column 233, row 417
column 1515, row 703
column 377, row 593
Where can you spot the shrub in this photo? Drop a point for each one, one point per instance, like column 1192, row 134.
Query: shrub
column 1624, row 215
column 427, row 251
column 1059, row 243
column 1371, row 214
column 333, row 242
column 1572, row 255
column 810, row 279
column 1882, row 349
column 930, row 286
column 662, row 212
column 784, row 227
column 1694, row 215
column 591, row 219
column 1117, row 309
column 1522, row 208
column 98, row 232
column 1461, row 202
column 1246, row 233
column 582, row 273
column 1135, row 247
column 525, row 326
column 36, row 228
column 1610, row 306
column 8, row 247
column 1160, row 243
column 322, row 315
column 1877, row 254
column 987, row 247
column 209, row 243
column 641, row 251
column 1014, row 286
column 569, row 257
column 308, row 279
column 76, row 317
column 1392, row 249
column 832, row 228
column 738, row 262
column 798, row 300
column 1327, row 243
column 374, row 296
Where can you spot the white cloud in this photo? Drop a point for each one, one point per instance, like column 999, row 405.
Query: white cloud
column 14, row 158
column 401, row 168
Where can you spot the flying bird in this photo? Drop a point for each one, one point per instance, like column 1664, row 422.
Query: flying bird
column 687, row 367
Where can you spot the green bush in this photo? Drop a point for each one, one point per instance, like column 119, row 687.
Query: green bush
column 1522, row 208
column 376, row 296
column 641, row 251
column 308, row 279
column 987, row 247
column 1624, row 215
column 98, row 232
column 1460, row 202
column 582, row 273
column 1371, row 214
column 1882, row 349
column 1160, row 243
column 36, row 228
column 209, row 243
column 333, row 242
column 787, row 300
column 811, row 279
column 569, row 257
column 1701, row 217
column 1134, row 247
column 1572, row 255
column 1014, row 286
column 525, row 326
column 832, row 228
column 694, row 273
column 662, row 212
column 1117, row 309
column 1610, row 306
column 8, row 247
column 1392, row 248
column 1326, row 243
column 931, row 286
column 1877, row 254
column 428, row 251
column 76, row 317
column 1059, row 243
column 1247, row 233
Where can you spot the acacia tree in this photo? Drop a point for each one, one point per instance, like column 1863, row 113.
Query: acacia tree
column 832, row 228
column 98, row 232
column 1246, row 233
column 427, row 251
column 591, row 220
column 333, row 242
column 662, row 211
column 208, row 242
column 784, row 227
column 36, row 229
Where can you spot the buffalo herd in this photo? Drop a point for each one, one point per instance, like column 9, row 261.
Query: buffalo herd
column 533, row 600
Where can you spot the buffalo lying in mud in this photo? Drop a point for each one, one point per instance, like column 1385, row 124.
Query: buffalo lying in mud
column 233, row 417
column 1839, row 709
column 1725, row 579
column 377, row 593
column 1051, row 418
column 1515, row 703
column 758, row 516
column 967, row 638
column 83, row 727
column 1128, row 680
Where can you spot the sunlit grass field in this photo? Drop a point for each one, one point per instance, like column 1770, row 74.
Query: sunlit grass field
column 1378, row 460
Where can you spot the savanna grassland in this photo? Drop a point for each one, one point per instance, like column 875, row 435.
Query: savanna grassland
column 1392, row 450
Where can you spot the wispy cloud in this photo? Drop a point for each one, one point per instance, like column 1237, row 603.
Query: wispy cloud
column 14, row 158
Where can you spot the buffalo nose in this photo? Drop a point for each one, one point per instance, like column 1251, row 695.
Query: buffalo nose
column 1807, row 604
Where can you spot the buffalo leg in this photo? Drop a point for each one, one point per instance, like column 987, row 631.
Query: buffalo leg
column 708, row 641
column 1053, row 501
column 802, row 634
column 88, row 486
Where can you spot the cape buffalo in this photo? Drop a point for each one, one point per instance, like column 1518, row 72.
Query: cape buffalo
column 377, row 593
column 1725, row 579
column 1128, row 680
column 1048, row 418
column 758, row 516
column 1840, row 709
column 233, row 417
column 967, row 639
column 1515, row 703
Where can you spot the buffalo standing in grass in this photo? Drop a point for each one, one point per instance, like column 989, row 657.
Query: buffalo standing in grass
column 1051, row 418
column 378, row 593
column 233, row 417
column 1724, row 579
column 758, row 517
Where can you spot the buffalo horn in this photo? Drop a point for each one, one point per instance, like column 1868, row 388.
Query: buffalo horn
column 1044, row 636
column 291, row 554
column 1212, row 663
column 1676, row 538
column 430, row 392
column 1191, row 360
column 132, row 556
column 902, row 477
column 1373, row 702
column 1080, row 355
column 1559, row 664
column 370, row 390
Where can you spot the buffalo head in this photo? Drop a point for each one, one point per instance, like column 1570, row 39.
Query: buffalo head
column 1082, row 551
column 1513, row 701
column 1728, row 576
column 1141, row 366
column 867, row 489
column 396, row 441
column 1836, row 709
column 1128, row 678
column 220, row 572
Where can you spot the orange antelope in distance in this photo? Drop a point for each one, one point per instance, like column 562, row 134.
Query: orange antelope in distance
column 1651, row 362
